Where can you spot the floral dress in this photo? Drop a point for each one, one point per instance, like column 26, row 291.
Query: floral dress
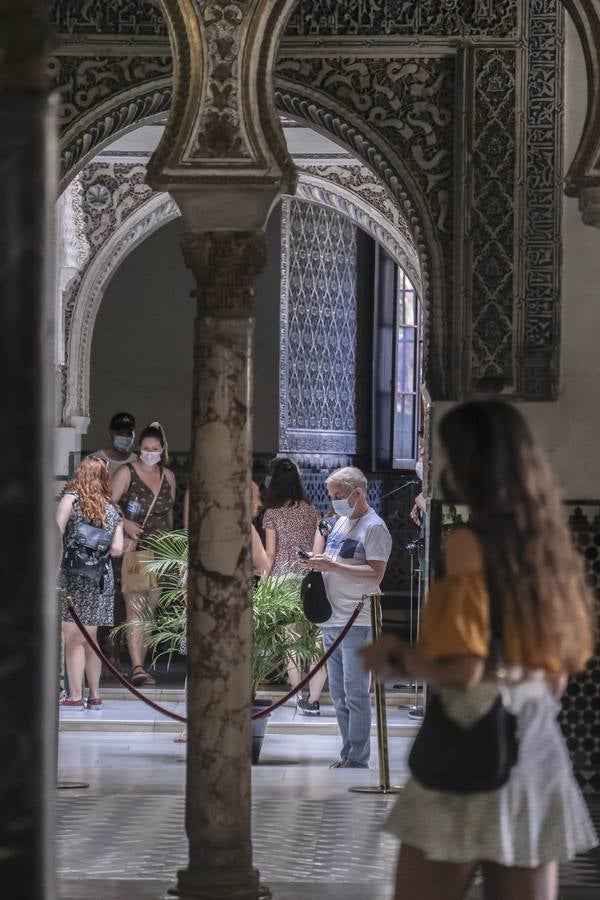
column 93, row 605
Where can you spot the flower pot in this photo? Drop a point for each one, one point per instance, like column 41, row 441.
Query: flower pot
column 259, row 727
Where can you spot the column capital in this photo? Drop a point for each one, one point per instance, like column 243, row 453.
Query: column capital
column 225, row 264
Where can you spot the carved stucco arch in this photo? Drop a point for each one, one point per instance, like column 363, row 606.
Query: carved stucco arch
column 86, row 292
column 145, row 220
column 333, row 118
column 348, row 131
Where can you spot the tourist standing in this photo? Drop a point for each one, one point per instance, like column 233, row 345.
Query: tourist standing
column 87, row 502
column 145, row 490
column 289, row 522
column 513, row 573
column 118, row 452
column 353, row 560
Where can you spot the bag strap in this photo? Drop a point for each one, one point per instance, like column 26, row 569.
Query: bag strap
column 154, row 499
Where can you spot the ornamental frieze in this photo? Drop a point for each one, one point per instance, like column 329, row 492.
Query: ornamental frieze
column 472, row 18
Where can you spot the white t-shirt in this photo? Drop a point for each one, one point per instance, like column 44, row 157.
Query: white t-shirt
column 114, row 464
column 354, row 541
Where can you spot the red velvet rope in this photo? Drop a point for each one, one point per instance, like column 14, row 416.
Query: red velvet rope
column 259, row 715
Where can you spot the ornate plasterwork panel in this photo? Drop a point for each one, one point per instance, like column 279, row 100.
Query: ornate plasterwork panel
column 474, row 18
column 492, row 219
column 318, row 336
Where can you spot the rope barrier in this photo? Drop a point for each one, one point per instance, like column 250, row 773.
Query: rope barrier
column 172, row 715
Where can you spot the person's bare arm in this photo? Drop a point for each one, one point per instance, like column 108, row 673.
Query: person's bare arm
column 170, row 476
column 318, row 543
column 186, row 508
column 271, row 546
column 372, row 568
column 463, row 556
column 116, row 547
column 260, row 562
column 63, row 511
column 119, row 484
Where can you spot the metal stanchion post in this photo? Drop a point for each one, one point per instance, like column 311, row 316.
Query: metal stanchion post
column 384, row 786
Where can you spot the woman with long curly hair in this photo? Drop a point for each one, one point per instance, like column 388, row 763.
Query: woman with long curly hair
column 513, row 582
column 86, row 501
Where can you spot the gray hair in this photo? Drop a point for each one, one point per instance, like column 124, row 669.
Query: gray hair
column 350, row 477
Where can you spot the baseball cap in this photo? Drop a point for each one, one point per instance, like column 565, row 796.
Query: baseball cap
column 122, row 420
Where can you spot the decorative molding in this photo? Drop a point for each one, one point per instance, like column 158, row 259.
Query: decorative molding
column 440, row 18
column 83, row 141
column 537, row 319
column 90, row 288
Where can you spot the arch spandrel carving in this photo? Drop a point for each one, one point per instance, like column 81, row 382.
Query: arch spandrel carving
column 223, row 129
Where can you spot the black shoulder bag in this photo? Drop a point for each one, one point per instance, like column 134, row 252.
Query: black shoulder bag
column 88, row 553
column 465, row 760
column 315, row 601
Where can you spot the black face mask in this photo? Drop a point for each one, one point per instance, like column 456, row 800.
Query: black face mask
column 448, row 492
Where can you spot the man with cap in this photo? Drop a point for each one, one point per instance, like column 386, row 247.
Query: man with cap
column 122, row 436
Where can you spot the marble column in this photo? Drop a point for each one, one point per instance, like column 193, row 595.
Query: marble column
column 28, row 619
column 220, row 615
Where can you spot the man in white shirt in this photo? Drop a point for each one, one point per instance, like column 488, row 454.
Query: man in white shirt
column 353, row 560
column 122, row 436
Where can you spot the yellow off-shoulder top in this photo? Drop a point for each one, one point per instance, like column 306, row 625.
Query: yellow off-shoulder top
column 455, row 622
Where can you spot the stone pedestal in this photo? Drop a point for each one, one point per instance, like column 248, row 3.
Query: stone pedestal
column 29, row 619
column 219, row 611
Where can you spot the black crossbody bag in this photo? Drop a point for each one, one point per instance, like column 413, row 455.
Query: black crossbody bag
column 448, row 757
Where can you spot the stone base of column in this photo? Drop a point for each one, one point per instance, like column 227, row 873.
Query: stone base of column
column 194, row 885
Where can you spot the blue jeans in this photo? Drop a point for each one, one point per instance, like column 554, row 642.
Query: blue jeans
column 349, row 688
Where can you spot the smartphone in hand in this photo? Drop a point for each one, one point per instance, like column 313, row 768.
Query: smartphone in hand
column 303, row 554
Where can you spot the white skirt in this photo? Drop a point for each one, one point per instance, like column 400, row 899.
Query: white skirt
column 537, row 817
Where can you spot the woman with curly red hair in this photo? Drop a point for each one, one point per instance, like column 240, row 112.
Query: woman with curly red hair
column 92, row 532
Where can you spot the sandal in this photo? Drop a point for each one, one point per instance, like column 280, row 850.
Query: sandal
column 181, row 738
column 142, row 679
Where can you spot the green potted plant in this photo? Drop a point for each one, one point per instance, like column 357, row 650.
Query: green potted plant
column 277, row 607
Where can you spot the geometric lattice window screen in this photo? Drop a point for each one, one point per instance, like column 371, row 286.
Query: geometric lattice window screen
column 318, row 330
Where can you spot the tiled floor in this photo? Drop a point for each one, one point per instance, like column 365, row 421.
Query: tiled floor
column 123, row 837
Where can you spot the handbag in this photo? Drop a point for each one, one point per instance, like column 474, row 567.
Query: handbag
column 446, row 756
column 315, row 601
column 135, row 577
column 88, row 553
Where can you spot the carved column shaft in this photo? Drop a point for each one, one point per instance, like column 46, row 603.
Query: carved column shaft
column 219, row 611
column 28, row 630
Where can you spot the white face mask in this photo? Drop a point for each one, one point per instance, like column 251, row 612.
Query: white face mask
column 150, row 457
column 419, row 470
column 342, row 507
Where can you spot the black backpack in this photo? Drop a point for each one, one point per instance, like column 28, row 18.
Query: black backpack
column 88, row 553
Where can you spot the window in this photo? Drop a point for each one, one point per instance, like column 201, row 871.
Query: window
column 396, row 367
